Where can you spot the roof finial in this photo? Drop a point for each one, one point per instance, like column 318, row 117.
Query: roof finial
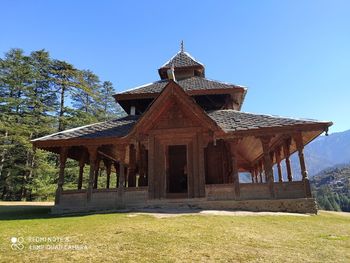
column 182, row 46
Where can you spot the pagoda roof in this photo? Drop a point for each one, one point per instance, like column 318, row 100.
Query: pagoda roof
column 230, row 121
column 181, row 59
column 189, row 84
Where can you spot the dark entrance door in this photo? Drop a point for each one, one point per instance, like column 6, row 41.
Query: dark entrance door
column 177, row 180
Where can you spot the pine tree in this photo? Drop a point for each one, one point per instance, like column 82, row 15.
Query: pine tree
column 86, row 100
column 64, row 77
column 41, row 103
column 109, row 106
column 86, row 96
column 36, row 98
column 16, row 78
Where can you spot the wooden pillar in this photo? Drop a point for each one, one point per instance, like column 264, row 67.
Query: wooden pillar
column 125, row 175
column 194, row 183
column 278, row 161
column 92, row 160
column 235, row 175
column 151, row 169
column 272, row 156
column 300, row 147
column 265, row 141
column 254, row 173
column 190, row 170
column 286, row 152
column 260, row 168
column 97, row 169
column 116, row 167
column 108, row 165
column 81, row 170
column 160, row 171
column 132, row 166
column 143, row 166
column 121, row 186
column 121, row 176
column 196, row 167
column 201, row 165
column 63, row 160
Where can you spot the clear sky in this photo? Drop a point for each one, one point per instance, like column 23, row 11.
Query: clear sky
column 294, row 56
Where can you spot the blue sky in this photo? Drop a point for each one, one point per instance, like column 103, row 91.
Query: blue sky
column 294, row 56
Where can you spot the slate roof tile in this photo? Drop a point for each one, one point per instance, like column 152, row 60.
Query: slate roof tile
column 181, row 59
column 231, row 120
column 228, row 120
column 113, row 128
column 188, row 84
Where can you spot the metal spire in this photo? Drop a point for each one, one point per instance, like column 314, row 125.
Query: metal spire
column 182, row 46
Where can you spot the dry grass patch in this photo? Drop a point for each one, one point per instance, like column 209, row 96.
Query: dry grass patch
column 126, row 237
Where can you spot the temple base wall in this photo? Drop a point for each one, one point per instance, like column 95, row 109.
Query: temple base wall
column 217, row 198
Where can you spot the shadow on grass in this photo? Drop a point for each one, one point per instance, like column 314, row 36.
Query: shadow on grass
column 21, row 212
column 16, row 212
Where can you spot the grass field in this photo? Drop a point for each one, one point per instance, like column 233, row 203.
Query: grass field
column 131, row 237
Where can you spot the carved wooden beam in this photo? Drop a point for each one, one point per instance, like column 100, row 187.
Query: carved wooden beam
column 107, row 156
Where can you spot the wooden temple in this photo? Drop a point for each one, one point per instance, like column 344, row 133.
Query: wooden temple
column 184, row 143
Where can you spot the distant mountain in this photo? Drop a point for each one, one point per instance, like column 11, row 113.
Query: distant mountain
column 337, row 178
column 331, row 187
column 325, row 152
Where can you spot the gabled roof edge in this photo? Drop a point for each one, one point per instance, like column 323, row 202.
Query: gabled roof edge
column 189, row 100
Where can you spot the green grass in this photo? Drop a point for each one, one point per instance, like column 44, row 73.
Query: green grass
column 125, row 237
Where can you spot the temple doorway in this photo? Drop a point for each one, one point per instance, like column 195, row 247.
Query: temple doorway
column 177, row 173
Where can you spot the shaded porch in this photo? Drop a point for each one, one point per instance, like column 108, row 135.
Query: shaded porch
column 130, row 164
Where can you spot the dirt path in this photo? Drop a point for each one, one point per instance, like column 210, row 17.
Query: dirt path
column 173, row 213
column 336, row 213
column 157, row 214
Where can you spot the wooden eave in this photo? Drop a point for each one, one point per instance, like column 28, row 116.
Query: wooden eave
column 317, row 126
column 309, row 133
column 134, row 96
column 79, row 152
column 80, row 142
column 279, row 141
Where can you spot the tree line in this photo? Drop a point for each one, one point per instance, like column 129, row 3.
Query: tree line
column 40, row 95
column 327, row 199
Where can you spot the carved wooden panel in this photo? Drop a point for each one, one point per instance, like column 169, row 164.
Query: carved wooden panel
column 217, row 163
column 175, row 117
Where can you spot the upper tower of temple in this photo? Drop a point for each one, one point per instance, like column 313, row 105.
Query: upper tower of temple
column 184, row 65
column 189, row 75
